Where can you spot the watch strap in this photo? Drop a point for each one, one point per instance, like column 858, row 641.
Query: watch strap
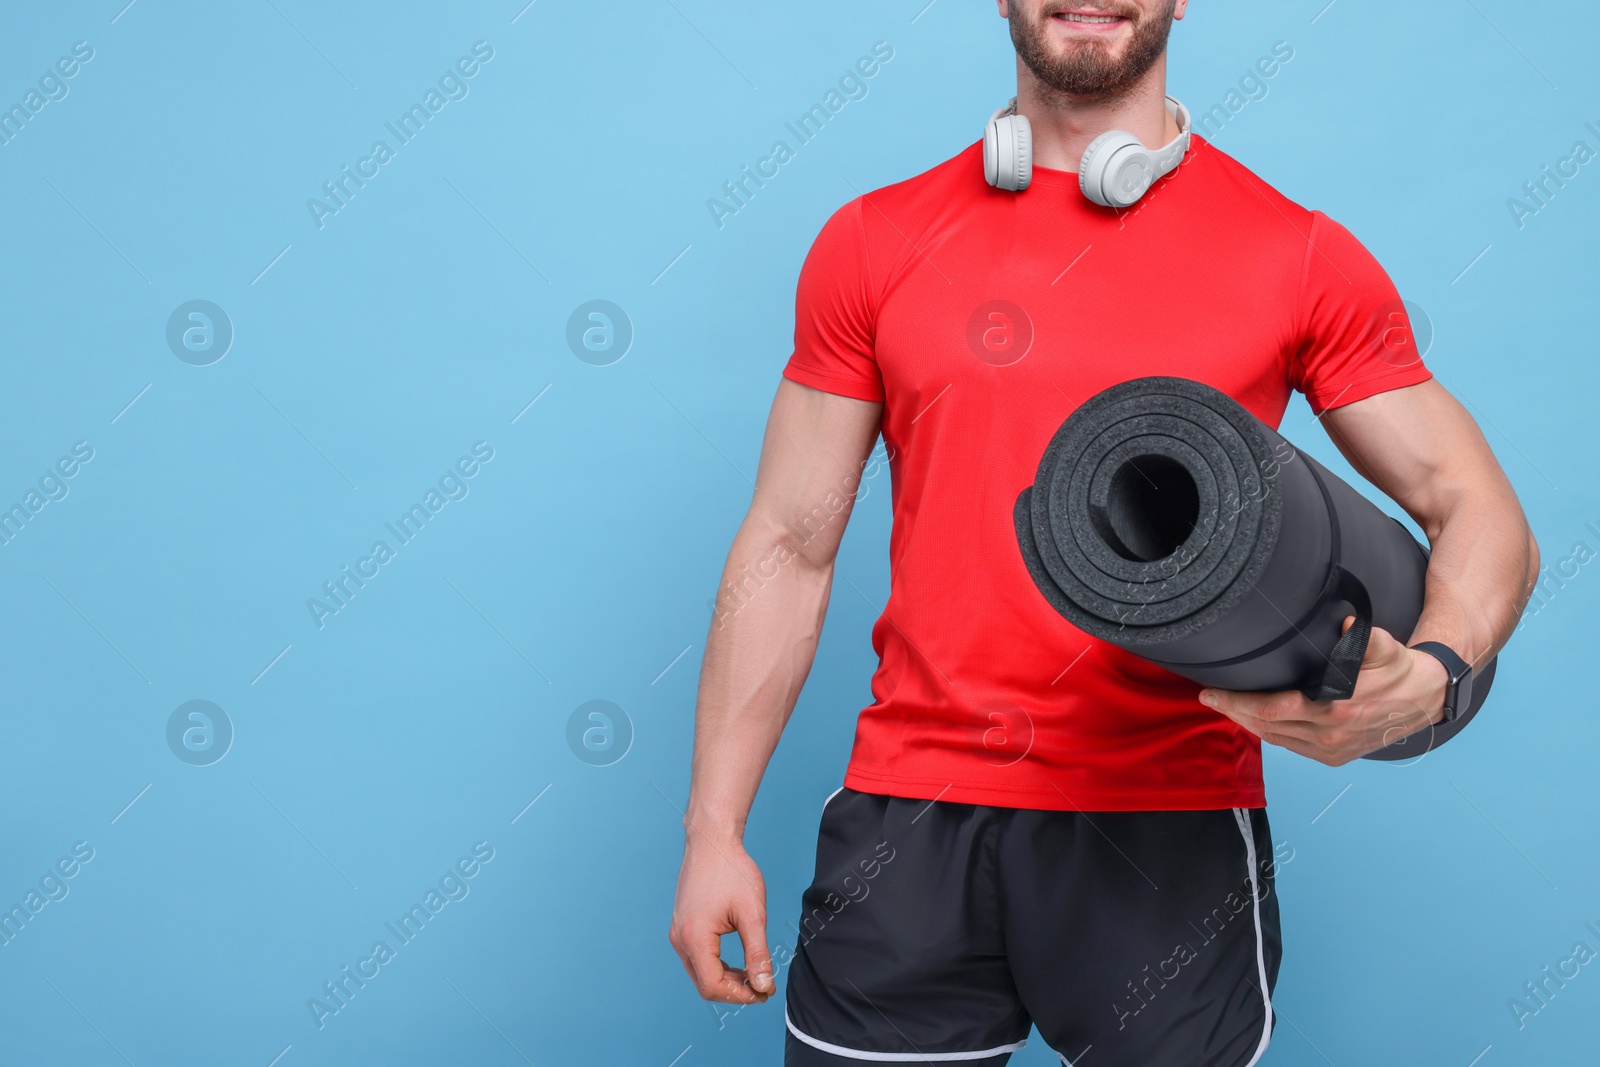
column 1455, row 667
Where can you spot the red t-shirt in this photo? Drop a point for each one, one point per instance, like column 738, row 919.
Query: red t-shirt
column 981, row 319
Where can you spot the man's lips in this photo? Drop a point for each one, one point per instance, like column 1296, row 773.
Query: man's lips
column 1088, row 20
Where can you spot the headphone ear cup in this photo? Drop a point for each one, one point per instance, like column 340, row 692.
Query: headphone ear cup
column 1023, row 145
column 991, row 152
column 1008, row 152
column 1116, row 169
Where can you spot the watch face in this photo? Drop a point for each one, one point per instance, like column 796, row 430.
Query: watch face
column 1458, row 688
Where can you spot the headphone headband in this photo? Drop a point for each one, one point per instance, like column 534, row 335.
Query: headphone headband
column 1171, row 154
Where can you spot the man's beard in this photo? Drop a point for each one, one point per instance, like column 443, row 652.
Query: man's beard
column 1087, row 69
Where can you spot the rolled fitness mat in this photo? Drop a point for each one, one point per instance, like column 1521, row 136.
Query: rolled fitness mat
column 1169, row 521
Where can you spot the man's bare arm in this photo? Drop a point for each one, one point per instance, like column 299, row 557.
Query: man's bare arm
column 1422, row 448
column 769, row 613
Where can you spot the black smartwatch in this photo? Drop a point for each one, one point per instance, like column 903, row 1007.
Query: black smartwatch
column 1458, row 693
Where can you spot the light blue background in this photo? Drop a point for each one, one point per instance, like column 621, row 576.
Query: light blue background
column 428, row 313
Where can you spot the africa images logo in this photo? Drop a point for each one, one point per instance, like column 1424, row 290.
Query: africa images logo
column 999, row 332
column 453, row 886
column 341, row 590
column 852, row 85
column 199, row 733
column 1400, row 332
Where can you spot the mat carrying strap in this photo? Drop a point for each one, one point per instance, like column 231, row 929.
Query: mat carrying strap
column 1344, row 662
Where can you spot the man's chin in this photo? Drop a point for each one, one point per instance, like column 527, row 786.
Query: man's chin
column 1066, row 47
column 1095, row 65
column 1097, row 52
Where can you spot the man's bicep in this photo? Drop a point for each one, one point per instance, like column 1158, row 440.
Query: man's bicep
column 1355, row 337
column 1420, row 446
column 816, row 446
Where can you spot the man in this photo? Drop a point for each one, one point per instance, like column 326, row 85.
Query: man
column 1037, row 827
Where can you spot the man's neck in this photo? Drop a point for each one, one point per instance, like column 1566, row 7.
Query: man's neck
column 1064, row 125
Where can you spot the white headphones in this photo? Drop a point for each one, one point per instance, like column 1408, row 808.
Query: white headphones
column 1116, row 168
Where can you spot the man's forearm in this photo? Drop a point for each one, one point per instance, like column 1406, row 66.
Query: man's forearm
column 1480, row 574
column 1421, row 447
column 769, row 613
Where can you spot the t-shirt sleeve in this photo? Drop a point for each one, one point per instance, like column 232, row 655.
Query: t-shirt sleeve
column 835, row 312
column 1355, row 334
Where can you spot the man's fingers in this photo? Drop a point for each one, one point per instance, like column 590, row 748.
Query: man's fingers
column 1304, row 748
column 714, row 979
column 683, row 958
column 1331, row 732
column 700, row 956
column 1263, row 707
column 1381, row 645
column 1302, row 738
column 1225, row 701
column 1280, row 732
column 757, row 960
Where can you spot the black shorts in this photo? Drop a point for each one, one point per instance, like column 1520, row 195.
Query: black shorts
column 938, row 932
